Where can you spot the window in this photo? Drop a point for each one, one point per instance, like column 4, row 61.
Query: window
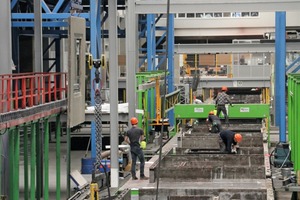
column 77, row 66
column 181, row 15
column 190, row 15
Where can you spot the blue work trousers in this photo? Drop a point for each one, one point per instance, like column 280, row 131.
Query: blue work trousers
column 137, row 152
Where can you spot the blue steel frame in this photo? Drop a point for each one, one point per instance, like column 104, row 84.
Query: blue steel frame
column 294, row 63
column 280, row 52
column 153, row 51
column 54, row 18
column 95, row 42
column 51, row 18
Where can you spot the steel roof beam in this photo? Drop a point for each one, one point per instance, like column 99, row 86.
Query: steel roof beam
column 196, row 6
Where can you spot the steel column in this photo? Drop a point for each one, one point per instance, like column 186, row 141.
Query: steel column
column 25, row 149
column 171, row 63
column 16, row 162
column 6, row 68
column 38, row 53
column 280, row 51
column 151, row 62
column 39, row 177
column 151, row 42
column 33, row 161
column 146, row 107
column 139, row 81
column 46, row 159
column 58, row 132
column 1, row 146
column 113, row 88
column 68, row 167
column 131, row 56
column 11, row 169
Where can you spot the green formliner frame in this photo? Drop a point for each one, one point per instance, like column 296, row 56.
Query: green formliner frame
column 237, row 111
column 294, row 118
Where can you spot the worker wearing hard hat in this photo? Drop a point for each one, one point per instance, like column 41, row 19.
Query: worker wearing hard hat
column 134, row 138
column 229, row 141
column 221, row 100
column 214, row 121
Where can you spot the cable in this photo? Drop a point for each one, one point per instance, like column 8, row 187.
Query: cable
column 5, row 130
column 163, row 100
column 285, row 159
column 107, row 180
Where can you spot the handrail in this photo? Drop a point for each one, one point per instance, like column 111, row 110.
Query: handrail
column 23, row 90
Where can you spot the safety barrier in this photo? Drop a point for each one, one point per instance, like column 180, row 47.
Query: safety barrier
column 19, row 91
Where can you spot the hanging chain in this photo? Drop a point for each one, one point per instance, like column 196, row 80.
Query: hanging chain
column 98, row 113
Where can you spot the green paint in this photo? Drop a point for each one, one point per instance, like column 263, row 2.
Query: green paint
column 1, row 146
column 293, row 118
column 68, row 161
column 33, row 161
column 237, row 111
column 38, row 162
column 26, row 176
column 134, row 192
column 58, row 129
column 16, row 163
column 46, row 159
column 11, row 162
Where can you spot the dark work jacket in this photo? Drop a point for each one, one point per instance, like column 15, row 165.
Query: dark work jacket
column 212, row 118
column 134, row 134
column 228, row 139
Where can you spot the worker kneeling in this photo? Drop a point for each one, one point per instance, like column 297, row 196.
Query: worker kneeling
column 215, row 123
column 229, row 141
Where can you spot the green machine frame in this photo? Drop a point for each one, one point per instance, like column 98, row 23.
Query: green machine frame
column 294, row 119
column 238, row 111
column 152, row 107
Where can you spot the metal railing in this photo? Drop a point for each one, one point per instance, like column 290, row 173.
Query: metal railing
column 23, row 90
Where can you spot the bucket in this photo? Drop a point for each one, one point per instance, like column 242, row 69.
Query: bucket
column 87, row 165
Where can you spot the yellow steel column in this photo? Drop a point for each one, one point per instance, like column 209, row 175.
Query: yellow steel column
column 94, row 191
column 267, row 95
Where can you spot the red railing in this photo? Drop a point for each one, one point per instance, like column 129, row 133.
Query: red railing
column 19, row 91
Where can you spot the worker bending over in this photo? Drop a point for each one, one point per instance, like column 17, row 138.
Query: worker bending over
column 133, row 137
column 221, row 100
column 229, row 141
column 215, row 123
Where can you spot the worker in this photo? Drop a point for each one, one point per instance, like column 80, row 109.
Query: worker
column 214, row 121
column 229, row 141
column 133, row 137
column 221, row 100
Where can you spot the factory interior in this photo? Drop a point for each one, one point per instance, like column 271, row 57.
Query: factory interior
column 90, row 66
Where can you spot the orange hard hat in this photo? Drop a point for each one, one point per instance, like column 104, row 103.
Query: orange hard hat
column 134, row 120
column 211, row 112
column 238, row 137
column 224, row 88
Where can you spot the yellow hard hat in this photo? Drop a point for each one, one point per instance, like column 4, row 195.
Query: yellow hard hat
column 143, row 144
